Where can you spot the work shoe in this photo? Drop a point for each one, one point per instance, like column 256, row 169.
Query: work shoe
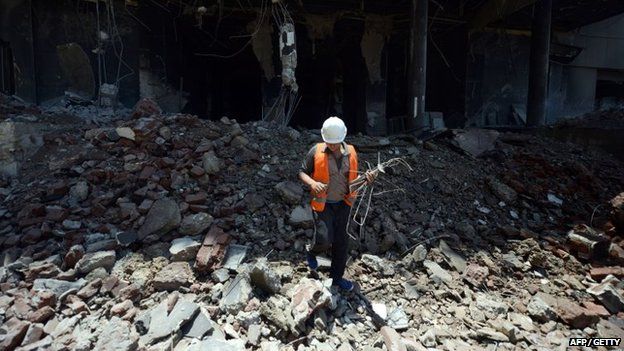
column 312, row 263
column 344, row 284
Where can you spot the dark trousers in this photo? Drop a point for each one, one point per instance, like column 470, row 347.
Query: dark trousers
column 331, row 232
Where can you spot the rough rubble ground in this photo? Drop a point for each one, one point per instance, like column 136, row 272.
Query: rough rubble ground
column 113, row 239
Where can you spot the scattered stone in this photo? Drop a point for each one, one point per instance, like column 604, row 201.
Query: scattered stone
column 211, row 163
column 163, row 323
column 393, row 340
column 608, row 294
column 184, row 249
column 263, row 277
column 12, row 333
column 195, row 224
column 163, row 216
column 236, row 294
column 301, row 217
column 307, row 297
column 539, row 309
column 437, row 273
column 453, row 258
column 378, row 264
column 92, row 261
column 173, row 276
column 290, row 192
column 58, row 287
column 234, row 256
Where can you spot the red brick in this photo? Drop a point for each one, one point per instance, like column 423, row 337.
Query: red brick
column 599, row 273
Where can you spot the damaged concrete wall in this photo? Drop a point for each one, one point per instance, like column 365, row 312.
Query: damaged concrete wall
column 18, row 141
column 16, row 29
column 497, row 73
column 376, row 30
column 262, row 45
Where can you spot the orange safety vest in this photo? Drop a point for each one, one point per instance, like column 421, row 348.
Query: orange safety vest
column 321, row 174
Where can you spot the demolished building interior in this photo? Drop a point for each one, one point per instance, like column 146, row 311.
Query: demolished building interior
column 149, row 152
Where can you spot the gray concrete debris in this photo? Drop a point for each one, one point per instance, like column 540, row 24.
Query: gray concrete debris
column 234, row 256
column 200, row 326
column 236, row 294
column 608, row 294
column 290, row 192
column 488, row 304
column 58, row 287
column 92, row 261
column 398, row 319
column 475, row 141
column 539, row 309
column 392, row 339
column 163, row 216
column 163, row 324
column 184, row 249
column 117, row 335
column 301, row 216
column 437, row 273
column 491, row 334
column 221, row 275
column 211, row 163
column 428, row 339
column 502, row 191
column 378, row 264
column 453, row 258
column 223, row 345
column 173, row 276
column 195, row 224
column 307, row 297
column 277, row 310
column 263, row 277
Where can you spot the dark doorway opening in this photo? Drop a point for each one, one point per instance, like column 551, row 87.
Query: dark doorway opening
column 7, row 80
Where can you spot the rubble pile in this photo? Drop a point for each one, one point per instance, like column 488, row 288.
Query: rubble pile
column 168, row 232
column 608, row 118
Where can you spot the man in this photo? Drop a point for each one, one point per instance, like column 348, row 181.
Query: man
column 327, row 170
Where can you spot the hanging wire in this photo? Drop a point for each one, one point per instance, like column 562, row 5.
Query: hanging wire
column 262, row 15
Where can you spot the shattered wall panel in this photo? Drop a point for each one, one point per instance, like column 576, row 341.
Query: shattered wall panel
column 377, row 30
column 320, row 26
column 77, row 69
column 263, row 47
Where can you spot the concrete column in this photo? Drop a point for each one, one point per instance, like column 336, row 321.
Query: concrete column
column 539, row 64
column 418, row 76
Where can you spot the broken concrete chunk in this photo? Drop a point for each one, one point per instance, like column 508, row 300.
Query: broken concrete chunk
column 608, row 294
column 195, row 224
column 163, row 216
column 264, row 277
column 234, row 256
column 117, row 335
column 236, row 294
column 453, row 258
column 200, row 326
column 307, row 297
column 301, row 217
column 392, row 339
column 290, row 192
column 173, row 276
column 163, row 324
column 58, row 287
column 211, row 163
column 92, row 261
column 184, row 249
column 437, row 273
column 378, row 264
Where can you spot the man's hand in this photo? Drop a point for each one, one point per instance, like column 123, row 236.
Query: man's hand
column 370, row 177
column 318, row 187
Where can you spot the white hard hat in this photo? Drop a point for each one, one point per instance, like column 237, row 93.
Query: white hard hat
column 334, row 130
